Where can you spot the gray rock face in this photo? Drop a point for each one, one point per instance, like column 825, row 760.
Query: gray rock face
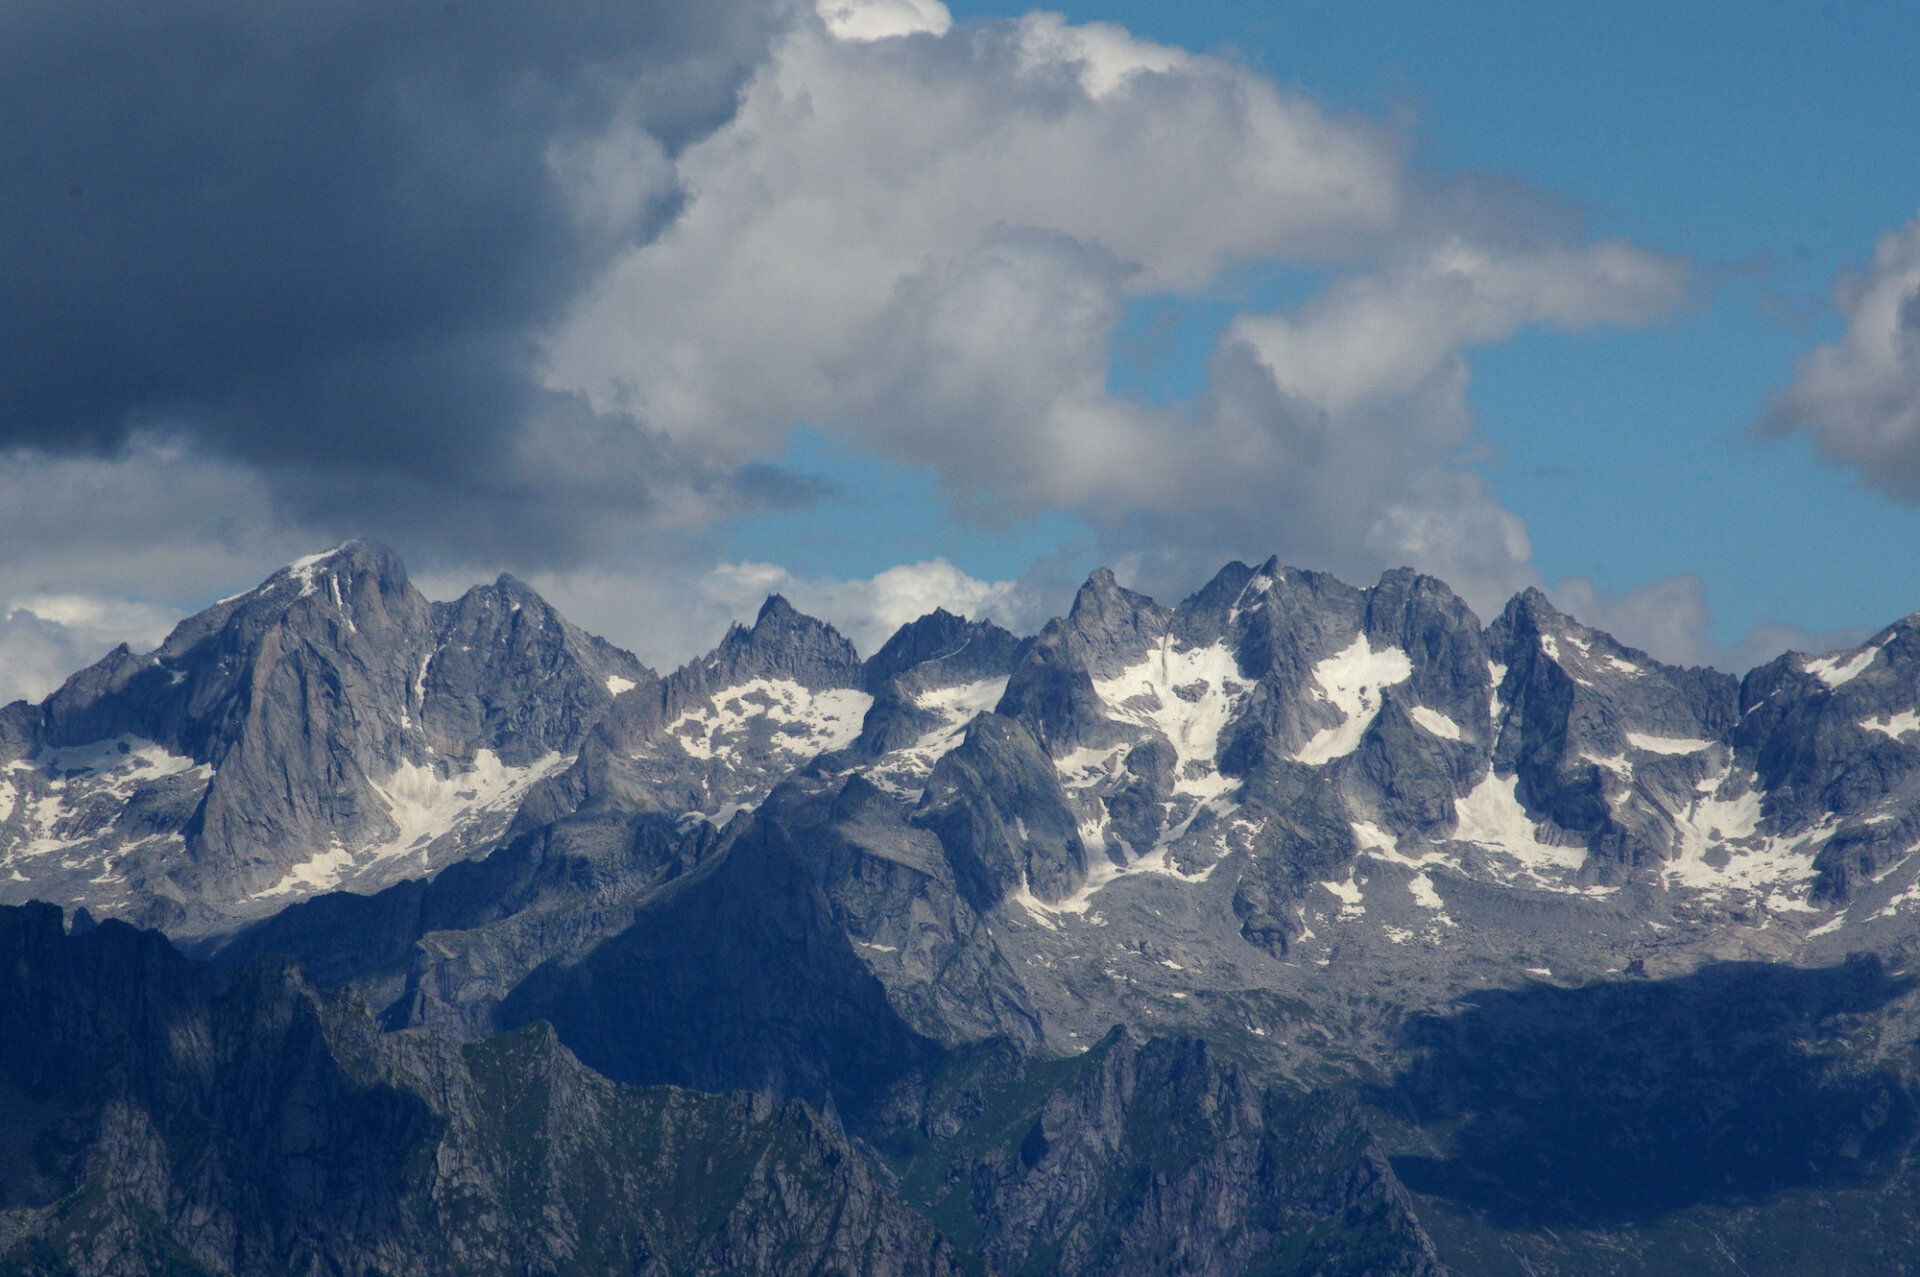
column 996, row 805
column 781, row 644
column 1833, row 743
column 1607, row 743
column 511, row 675
column 823, row 952
column 161, row 1119
column 938, row 652
column 329, row 728
column 645, row 800
column 1160, row 1158
column 1276, row 742
column 942, row 650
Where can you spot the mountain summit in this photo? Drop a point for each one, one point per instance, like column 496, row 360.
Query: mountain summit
column 330, row 727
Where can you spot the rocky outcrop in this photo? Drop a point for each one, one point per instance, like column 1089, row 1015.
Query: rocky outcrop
column 1160, row 1158
column 825, row 952
column 1606, row 742
column 1834, row 742
column 330, row 727
column 996, row 805
column 161, row 1119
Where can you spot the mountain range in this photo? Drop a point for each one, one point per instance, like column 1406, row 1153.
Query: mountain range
column 1296, row 927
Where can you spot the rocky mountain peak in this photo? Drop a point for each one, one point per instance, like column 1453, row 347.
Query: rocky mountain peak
column 328, row 724
column 509, row 674
column 1110, row 626
column 942, row 649
column 783, row 643
column 1204, row 616
column 1835, row 743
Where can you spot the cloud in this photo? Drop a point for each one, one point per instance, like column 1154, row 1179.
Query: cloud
column 1670, row 619
column 48, row 639
column 862, row 176
column 926, row 244
column 548, row 287
column 1859, row 398
column 317, row 237
column 884, row 19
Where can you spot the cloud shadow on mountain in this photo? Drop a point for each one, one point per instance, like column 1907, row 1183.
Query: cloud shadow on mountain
column 1623, row 1101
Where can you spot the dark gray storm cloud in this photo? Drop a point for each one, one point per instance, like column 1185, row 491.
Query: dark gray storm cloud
column 318, row 236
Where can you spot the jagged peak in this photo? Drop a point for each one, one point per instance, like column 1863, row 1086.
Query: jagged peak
column 776, row 608
column 1403, row 593
column 783, row 642
column 508, row 583
column 1532, row 610
column 508, row 591
column 942, row 637
column 354, row 555
column 1102, row 595
column 1232, row 579
column 777, row 616
column 304, row 575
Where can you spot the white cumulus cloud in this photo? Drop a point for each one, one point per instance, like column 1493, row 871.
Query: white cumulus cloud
column 927, row 245
column 884, row 19
column 1859, row 397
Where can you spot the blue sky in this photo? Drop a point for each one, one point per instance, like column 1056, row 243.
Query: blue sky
column 1769, row 149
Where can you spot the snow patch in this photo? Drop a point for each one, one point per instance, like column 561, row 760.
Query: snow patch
column 50, row 812
column 1841, row 667
column 314, row 875
column 1426, row 897
column 1667, row 744
column 904, row 772
column 1187, row 696
column 1901, row 901
column 1435, row 722
column 1894, row 725
column 802, row 722
column 1086, row 767
column 617, row 685
column 305, row 572
column 1352, row 681
column 1373, row 838
column 424, row 806
column 1492, row 817
column 1348, row 892
column 1720, row 849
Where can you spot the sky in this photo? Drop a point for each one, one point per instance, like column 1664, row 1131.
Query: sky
column 889, row 304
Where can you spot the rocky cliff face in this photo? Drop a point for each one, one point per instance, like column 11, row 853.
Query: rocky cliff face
column 1833, row 746
column 330, row 728
column 1150, row 814
column 160, row 1120
column 1161, row 1158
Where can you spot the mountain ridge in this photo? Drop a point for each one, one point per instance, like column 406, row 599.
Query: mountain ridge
column 1285, row 818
